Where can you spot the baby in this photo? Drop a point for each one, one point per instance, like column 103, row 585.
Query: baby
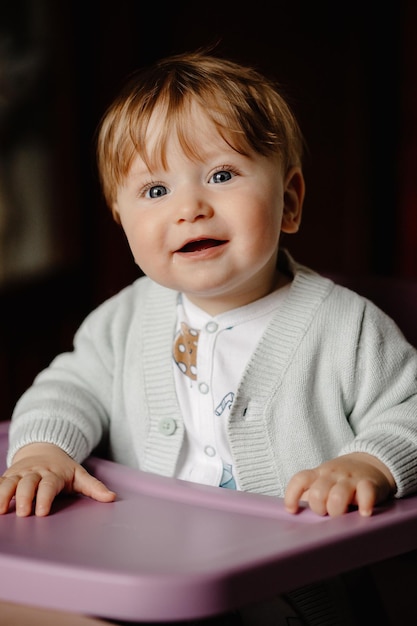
column 228, row 363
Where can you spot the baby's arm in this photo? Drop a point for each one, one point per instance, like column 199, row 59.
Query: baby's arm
column 41, row 471
column 357, row 478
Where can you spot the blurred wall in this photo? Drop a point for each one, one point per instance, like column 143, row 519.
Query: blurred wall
column 349, row 74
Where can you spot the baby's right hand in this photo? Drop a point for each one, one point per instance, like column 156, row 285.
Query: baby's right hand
column 40, row 471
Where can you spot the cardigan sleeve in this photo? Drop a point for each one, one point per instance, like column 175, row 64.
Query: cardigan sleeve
column 69, row 402
column 384, row 414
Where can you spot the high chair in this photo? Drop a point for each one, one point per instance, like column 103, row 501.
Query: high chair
column 168, row 550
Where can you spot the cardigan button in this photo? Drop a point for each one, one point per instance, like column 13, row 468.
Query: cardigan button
column 167, row 426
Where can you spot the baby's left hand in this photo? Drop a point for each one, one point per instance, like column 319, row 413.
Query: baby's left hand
column 358, row 478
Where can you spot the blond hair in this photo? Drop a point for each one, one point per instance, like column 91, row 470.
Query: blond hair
column 246, row 108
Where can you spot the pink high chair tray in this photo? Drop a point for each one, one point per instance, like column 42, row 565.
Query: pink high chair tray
column 168, row 550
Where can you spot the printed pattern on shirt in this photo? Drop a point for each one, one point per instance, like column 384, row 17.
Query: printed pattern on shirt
column 225, row 403
column 185, row 350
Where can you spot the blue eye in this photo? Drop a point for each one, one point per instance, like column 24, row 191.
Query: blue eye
column 156, row 191
column 221, row 176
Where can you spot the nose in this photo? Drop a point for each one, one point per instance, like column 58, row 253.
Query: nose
column 192, row 205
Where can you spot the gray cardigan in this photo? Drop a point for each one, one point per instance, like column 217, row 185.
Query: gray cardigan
column 332, row 374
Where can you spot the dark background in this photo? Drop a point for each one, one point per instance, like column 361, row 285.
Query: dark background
column 349, row 69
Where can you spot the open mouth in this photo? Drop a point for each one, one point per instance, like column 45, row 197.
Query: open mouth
column 201, row 244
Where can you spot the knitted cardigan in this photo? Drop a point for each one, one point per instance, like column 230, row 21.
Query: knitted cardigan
column 332, row 374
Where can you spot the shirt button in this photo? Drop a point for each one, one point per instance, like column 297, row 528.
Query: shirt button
column 203, row 388
column 211, row 327
column 210, row 451
column 167, row 426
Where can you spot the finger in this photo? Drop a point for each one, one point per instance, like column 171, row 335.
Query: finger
column 90, row 486
column 340, row 496
column 366, row 497
column 297, row 488
column 318, row 495
column 48, row 488
column 8, row 486
column 25, row 494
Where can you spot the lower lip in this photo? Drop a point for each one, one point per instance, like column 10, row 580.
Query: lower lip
column 204, row 254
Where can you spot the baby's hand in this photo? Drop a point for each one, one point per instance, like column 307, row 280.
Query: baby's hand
column 357, row 478
column 41, row 471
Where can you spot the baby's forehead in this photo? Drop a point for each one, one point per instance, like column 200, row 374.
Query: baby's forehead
column 191, row 121
column 211, row 153
column 194, row 134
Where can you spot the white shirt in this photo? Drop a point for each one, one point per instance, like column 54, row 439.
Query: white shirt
column 210, row 355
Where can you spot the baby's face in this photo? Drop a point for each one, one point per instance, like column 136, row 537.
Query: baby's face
column 208, row 227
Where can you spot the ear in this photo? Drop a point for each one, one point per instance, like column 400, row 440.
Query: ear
column 294, row 191
column 115, row 213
